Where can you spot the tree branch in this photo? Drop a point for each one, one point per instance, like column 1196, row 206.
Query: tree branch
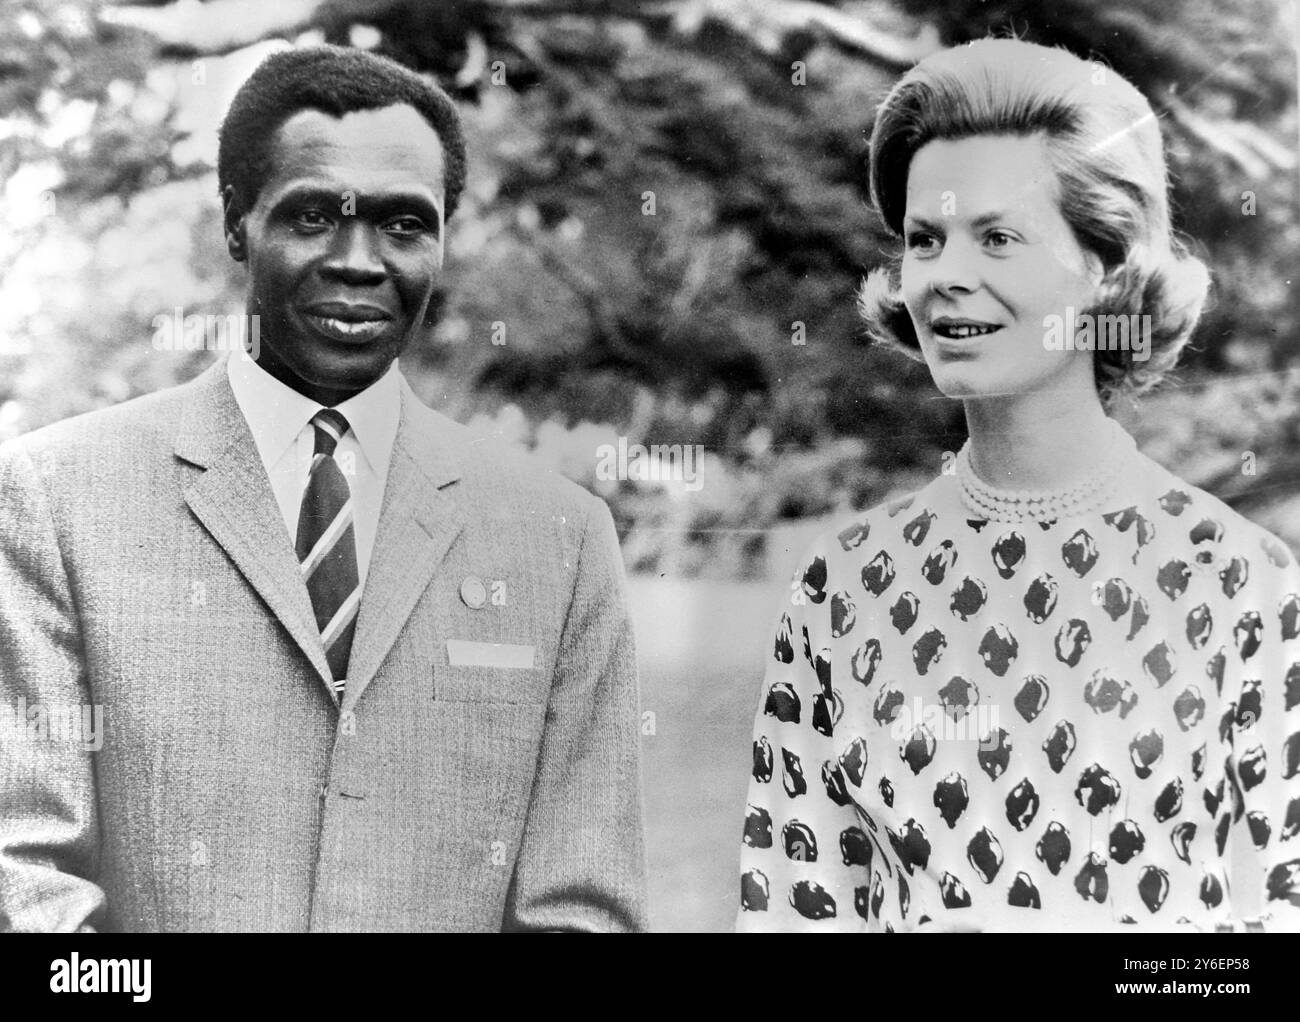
column 220, row 26
column 225, row 25
column 1255, row 153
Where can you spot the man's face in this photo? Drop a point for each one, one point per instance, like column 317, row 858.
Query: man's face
column 344, row 244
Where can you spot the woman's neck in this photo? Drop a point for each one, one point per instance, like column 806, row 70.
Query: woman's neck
column 1041, row 441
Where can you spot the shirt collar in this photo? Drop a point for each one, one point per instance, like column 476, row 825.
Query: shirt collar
column 276, row 413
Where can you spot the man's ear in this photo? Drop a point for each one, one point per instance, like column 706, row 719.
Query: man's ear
column 232, row 220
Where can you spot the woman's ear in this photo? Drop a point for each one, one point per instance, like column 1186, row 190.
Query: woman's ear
column 1095, row 268
column 232, row 219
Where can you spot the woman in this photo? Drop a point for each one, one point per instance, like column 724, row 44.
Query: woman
column 1037, row 693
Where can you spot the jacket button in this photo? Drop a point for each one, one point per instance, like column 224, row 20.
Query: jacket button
column 473, row 592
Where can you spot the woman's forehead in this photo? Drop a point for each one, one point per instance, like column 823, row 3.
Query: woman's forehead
column 971, row 178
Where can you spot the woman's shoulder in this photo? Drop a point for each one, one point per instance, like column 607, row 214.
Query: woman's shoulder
column 1213, row 529
column 902, row 519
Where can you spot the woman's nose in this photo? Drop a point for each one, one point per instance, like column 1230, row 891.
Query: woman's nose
column 954, row 270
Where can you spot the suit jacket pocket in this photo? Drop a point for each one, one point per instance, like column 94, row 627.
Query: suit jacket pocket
column 462, row 684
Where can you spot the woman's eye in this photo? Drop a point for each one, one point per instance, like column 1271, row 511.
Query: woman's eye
column 999, row 239
column 921, row 239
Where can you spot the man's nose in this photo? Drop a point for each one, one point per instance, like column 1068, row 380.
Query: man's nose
column 352, row 256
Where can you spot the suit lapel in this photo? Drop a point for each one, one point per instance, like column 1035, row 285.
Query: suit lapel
column 421, row 515
column 232, row 498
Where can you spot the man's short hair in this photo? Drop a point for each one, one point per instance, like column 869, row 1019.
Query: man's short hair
column 334, row 80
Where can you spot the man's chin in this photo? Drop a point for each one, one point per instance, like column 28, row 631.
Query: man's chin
column 333, row 376
column 350, row 370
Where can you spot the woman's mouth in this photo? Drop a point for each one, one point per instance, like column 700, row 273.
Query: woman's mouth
column 961, row 331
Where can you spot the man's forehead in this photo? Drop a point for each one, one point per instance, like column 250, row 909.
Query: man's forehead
column 388, row 144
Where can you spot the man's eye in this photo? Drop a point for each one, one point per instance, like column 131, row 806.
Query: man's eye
column 921, row 240
column 999, row 239
column 406, row 225
column 310, row 218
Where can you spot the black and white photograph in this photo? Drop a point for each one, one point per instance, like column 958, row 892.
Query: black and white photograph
column 712, row 466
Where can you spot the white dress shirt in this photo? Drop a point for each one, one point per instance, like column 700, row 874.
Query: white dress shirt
column 280, row 420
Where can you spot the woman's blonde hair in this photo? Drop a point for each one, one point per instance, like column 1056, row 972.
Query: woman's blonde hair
column 1103, row 140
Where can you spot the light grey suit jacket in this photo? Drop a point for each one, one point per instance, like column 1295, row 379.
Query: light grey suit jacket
column 145, row 569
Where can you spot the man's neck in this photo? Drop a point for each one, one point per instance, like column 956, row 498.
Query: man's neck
column 322, row 395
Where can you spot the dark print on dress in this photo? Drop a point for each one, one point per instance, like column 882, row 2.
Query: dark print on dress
column 792, row 778
column 758, row 827
column 865, row 660
column 940, row 559
column 844, row 614
column 968, row 598
column 854, row 535
column 1160, row 664
column 1072, row 641
column 904, row 612
column 918, row 528
column 928, row 650
column 951, row 797
column 985, row 854
column 754, row 890
column 1041, row 597
column 878, row 574
column 958, row 697
column 784, row 645
column 1053, row 848
column 811, row 900
column 1080, row 553
column 1078, row 712
column 782, row 702
column 998, row 649
column 1008, row 553
column 814, row 580
column 1146, row 750
column 1032, row 698
column 762, row 760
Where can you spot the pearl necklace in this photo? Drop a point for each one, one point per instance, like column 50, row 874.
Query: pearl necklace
column 1018, row 506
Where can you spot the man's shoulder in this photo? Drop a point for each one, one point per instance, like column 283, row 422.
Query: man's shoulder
column 514, row 479
column 119, row 430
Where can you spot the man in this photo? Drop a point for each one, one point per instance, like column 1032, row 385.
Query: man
column 357, row 670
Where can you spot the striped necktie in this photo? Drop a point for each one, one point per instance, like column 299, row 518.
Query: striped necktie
column 327, row 547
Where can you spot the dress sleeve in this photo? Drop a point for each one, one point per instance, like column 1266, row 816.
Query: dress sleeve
column 1261, row 726
column 804, row 857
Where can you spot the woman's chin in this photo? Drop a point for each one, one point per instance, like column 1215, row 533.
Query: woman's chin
column 967, row 381
column 963, row 382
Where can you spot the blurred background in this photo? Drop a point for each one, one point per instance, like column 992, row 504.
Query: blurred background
column 665, row 222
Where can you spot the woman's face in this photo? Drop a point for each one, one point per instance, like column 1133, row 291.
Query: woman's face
column 989, row 258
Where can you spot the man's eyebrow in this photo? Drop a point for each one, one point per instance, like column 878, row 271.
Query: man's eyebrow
column 382, row 203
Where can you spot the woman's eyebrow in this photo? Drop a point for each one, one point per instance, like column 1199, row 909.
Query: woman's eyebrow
column 996, row 216
column 910, row 220
column 983, row 220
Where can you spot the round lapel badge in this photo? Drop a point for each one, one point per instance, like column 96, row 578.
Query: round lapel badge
column 473, row 592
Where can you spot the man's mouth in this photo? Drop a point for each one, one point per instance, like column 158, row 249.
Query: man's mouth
column 347, row 322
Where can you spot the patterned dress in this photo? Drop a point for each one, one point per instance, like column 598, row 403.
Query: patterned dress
column 1030, row 726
